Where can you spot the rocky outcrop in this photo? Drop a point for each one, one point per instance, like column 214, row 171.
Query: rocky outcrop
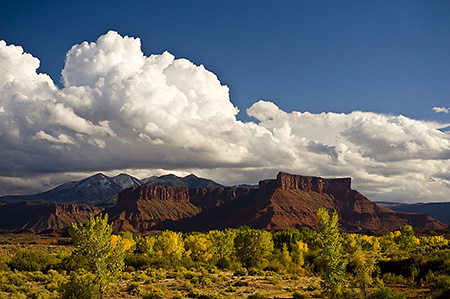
column 146, row 208
column 293, row 200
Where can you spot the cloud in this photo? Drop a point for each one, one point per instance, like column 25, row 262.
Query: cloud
column 121, row 110
column 441, row 110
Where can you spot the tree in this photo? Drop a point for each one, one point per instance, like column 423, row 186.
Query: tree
column 364, row 267
column 199, row 247
column 405, row 237
column 223, row 246
column 252, row 246
column 169, row 246
column 334, row 265
column 93, row 241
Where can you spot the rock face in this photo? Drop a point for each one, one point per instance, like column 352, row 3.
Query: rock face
column 43, row 216
column 146, row 208
column 287, row 201
column 293, row 200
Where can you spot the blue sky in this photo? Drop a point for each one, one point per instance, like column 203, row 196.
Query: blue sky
column 355, row 89
column 317, row 56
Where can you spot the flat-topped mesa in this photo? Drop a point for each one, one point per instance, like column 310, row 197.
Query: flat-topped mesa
column 288, row 181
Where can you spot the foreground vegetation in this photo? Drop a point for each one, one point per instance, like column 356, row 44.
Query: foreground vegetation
column 231, row 263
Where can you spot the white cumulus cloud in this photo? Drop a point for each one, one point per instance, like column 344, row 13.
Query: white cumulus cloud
column 441, row 110
column 122, row 110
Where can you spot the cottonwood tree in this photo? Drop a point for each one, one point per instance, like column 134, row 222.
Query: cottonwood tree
column 334, row 264
column 223, row 246
column 364, row 268
column 93, row 241
column 169, row 246
column 199, row 247
column 252, row 246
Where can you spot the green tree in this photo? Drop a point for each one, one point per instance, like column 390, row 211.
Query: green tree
column 252, row 246
column 334, row 264
column 364, row 267
column 223, row 246
column 405, row 237
column 93, row 241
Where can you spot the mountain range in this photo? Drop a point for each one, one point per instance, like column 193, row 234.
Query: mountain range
column 102, row 190
column 437, row 210
column 197, row 204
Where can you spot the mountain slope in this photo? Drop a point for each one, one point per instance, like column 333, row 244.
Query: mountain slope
column 96, row 189
column 190, row 181
column 102, row 190
column 288, row 201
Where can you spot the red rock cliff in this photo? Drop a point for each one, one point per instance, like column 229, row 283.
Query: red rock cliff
column 287, row 201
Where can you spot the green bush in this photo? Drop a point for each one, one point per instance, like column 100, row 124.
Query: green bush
column 201, row 295
column 33, row 260
column 299, row 295
column 134, row 289
column 4, row 261
column 178, row 296
column 137, row 261
column 79, row 286
column 41, row 294
column 154, row 293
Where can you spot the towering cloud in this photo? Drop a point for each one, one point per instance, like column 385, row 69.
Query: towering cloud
column 120, row 109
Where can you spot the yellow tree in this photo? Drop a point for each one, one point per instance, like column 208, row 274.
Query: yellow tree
column 334, row 264
column 199, row 247
column 169, row 245
column 93, row 241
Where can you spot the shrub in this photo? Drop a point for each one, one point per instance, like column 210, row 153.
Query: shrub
column 154, row 293
column 32, row 260
column 241, row 272
column 40, row 294
column 134, row 289
column 178, row 296
column 79, row 286
column 137, row 261
column 4, row 261
column 299, row 295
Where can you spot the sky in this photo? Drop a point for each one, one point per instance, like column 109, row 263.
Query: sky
column 234, row 91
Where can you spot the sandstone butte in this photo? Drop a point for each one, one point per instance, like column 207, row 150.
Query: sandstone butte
column 288, row 201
